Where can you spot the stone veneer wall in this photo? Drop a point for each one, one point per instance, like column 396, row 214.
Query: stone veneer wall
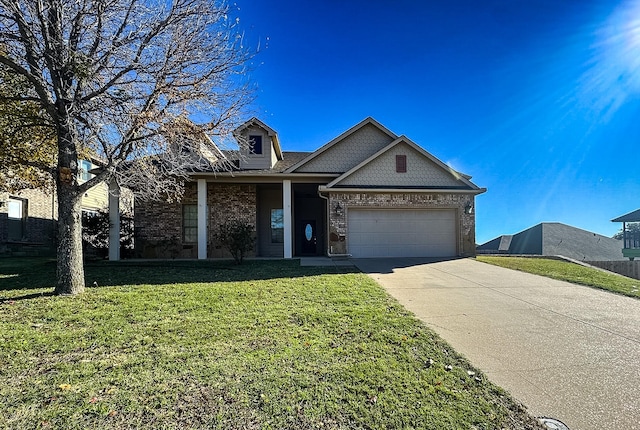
column 338, row 223
column 159, row 224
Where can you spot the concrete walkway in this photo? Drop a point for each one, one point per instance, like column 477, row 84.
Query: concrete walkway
column 565, row 351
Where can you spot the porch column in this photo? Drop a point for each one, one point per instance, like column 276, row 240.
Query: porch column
column 114, row 220
column 287, row 218
column 202, row 219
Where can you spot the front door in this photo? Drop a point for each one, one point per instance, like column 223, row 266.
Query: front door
column 309, row 237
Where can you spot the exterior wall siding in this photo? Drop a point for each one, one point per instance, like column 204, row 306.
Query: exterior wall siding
column 268, row 198
column 340, row 202
column 97, row 198
column 349, row 152
column 382, row 171
column 258, row 161
column 159, row 224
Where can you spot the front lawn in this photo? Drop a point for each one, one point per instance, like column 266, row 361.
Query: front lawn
column 268, row 345
column 570, row 272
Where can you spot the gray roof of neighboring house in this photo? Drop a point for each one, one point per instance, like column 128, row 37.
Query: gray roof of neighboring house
column 553, row 238
column 630, row 217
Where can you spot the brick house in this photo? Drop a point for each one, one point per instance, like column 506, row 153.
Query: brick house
column 28, row 218
column 366, row 193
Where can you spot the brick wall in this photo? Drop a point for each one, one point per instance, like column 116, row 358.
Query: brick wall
column 338, row 221
column 229, row 202
column 41, row 211
column 159, row 224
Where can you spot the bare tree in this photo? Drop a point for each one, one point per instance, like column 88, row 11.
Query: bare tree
column 139, row 84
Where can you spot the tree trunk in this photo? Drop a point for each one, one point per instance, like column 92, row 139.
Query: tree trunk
column 70, row 269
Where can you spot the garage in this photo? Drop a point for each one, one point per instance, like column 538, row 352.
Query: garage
column 401, row 233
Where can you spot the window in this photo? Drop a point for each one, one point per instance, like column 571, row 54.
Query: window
column 255, row 144
column 83, row 171
column 277, row 226
column 16, row 208
column 17, row 222
column 189, row 223
column 401, row 164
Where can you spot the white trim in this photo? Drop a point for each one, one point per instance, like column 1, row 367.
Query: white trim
column 287, row 218
column 202, row 219
column 114, row 220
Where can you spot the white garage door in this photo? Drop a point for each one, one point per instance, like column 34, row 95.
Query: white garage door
column 402, row 233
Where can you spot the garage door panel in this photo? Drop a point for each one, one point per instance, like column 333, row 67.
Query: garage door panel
column 402, row 233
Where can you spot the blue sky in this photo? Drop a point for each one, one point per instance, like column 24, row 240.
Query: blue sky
column 538, row 100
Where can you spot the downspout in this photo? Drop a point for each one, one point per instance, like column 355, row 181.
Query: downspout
column 329, row 253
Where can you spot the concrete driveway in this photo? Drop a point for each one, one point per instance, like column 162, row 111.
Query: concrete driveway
column 565, row 351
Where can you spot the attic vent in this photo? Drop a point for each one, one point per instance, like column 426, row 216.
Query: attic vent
column 401, row 164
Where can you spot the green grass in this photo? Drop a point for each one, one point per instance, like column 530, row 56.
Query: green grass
column 569, row 272
column 267, row 345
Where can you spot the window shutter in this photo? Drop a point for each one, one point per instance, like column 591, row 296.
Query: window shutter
column 401, row 164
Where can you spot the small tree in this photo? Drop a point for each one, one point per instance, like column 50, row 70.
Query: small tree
column 236, row 237
column 95, row 233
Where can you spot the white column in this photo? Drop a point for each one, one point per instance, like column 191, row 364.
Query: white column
column 288, row 225
column 114, row 220
column 202, row 219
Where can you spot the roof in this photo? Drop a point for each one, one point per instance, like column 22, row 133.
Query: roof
column 289, row 158
column 630, row 217
column 554, row 238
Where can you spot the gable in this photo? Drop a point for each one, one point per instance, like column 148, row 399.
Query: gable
column 262, row 149
column 421, row 171
column 348, row 150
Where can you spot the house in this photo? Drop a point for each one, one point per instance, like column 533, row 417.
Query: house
column 28, row 218
column 554, row 238
column 366, row 193
column 630, row 237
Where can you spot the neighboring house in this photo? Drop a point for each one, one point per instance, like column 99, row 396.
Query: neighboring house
column 28, row 218
column 553, row 238
column 630, row 238
column 366, row 193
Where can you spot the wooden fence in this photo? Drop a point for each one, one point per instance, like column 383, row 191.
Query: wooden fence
column 623, row 267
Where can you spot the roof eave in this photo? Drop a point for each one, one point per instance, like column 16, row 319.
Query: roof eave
column 476, row 191
column 630, row 217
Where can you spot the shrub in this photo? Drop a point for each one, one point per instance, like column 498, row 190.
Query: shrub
column 236, row 237
column 95, row 233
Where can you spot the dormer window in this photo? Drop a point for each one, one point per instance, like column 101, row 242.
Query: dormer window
column 255, row 144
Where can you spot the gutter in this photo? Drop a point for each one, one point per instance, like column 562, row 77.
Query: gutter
column 323, row 188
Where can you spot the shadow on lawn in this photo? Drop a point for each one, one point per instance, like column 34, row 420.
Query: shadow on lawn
column 32, row 273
